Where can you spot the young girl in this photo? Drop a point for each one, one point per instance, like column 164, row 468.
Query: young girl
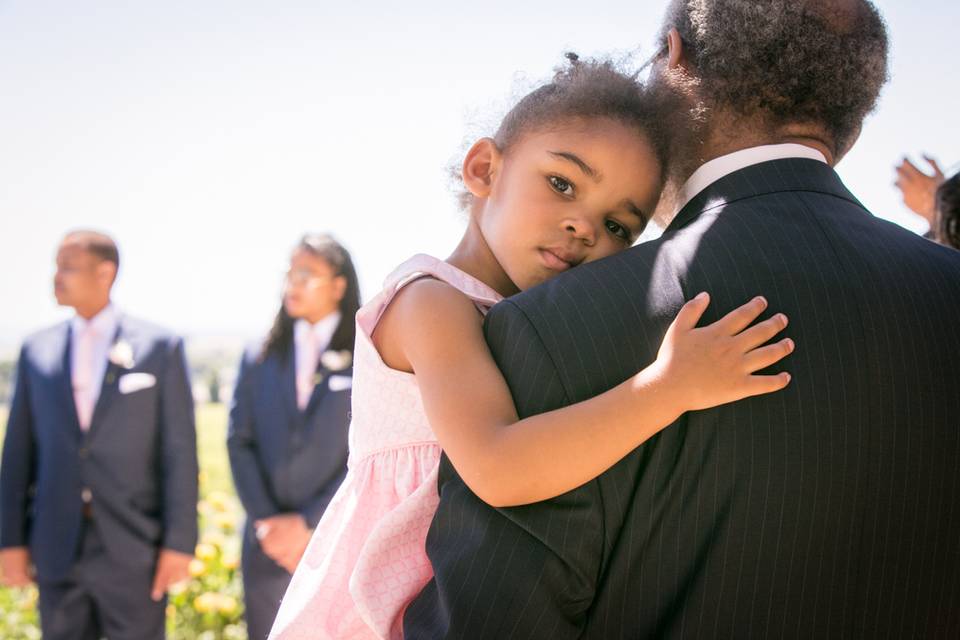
column 571, row 176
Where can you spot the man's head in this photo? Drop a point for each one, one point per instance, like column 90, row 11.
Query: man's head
column 768, row 71
column 87, row 264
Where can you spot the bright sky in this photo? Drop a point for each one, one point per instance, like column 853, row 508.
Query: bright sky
column 207, row 136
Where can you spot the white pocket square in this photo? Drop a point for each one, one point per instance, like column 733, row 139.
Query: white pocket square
column 136, row 381
column 339, row 383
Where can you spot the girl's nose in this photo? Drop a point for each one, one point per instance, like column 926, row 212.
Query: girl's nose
column 581, row 229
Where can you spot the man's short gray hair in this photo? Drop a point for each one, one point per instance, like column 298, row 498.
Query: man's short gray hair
column 808, row 61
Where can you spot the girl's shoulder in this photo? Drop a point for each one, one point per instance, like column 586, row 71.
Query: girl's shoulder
column 424, row 296
column 424, row 307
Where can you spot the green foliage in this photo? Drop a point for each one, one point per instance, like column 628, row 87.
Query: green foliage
column 18, row 614
column 6, row 381
column 210, row 605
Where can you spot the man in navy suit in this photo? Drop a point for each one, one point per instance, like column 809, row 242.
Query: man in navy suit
column 98, row 480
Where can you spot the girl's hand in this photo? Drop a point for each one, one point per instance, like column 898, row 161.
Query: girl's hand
column 713, row 365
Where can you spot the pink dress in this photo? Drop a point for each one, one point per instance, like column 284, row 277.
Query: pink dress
column 366, row 560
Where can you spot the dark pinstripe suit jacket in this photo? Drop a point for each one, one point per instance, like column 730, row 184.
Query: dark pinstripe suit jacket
column 831, row 509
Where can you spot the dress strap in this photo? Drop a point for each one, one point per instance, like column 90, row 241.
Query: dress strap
column 422, row 265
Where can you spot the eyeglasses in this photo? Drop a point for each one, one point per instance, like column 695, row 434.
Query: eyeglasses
column 306, row 278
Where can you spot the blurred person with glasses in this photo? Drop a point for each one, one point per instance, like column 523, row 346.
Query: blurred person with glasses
column 287, row 436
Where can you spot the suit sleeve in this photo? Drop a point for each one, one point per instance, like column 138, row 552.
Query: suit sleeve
column 313, row 511
column 242, row 448
column 179, row 443
column 18, row 464
column 523, row 572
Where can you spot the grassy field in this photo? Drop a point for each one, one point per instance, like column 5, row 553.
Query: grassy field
column 212, row 448
column 210, row 605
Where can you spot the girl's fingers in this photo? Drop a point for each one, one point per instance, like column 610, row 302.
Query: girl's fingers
column 765, row 356
column 741, row 317
column 690, row 313
column 761, row 333
column 759, row 385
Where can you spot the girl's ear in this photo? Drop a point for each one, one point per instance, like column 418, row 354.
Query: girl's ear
column 479, row 167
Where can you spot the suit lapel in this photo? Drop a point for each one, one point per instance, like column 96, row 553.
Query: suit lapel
column 320, row 389
column 65, row 383
column 288, row 383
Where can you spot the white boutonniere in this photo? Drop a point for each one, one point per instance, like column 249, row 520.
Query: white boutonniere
column 121, row 354
column 336, row 360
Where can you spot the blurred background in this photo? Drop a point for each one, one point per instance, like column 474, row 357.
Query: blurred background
column 206, row 137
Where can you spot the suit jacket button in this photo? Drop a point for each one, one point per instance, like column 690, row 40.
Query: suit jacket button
column 86, row 495
column 84, row 452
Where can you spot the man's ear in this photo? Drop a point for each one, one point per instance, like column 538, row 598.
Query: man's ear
column 107, row 272
column 675, row 52
column 479, row 167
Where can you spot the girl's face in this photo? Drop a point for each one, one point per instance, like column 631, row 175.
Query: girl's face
column 564, row 196
column 312, row 289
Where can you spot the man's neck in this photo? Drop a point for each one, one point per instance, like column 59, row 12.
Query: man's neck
column 730, row 132
column 723, row 139
column 91, row 310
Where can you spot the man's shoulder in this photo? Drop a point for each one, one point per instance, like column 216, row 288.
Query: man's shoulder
column 45, row 345
column 46, row 334
column 254, row 352
column 146, row 330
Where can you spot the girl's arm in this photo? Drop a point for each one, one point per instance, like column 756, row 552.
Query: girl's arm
column 434, row 331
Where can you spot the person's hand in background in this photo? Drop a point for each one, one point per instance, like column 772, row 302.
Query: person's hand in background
column 172, row 567
column 918, row 188
column 15, row 567
column 284, row 538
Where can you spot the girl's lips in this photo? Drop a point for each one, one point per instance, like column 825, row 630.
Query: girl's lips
column 553, row 261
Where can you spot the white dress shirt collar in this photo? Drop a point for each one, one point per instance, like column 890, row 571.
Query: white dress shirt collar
column 322, row 333
column 713, row 170
column 104, row 323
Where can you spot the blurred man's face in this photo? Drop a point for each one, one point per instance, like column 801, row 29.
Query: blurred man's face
column 82, row 278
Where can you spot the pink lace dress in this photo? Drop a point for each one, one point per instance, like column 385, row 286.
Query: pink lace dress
column 366, row 560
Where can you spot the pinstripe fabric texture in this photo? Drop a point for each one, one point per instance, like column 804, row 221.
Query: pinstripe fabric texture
column 828, row 510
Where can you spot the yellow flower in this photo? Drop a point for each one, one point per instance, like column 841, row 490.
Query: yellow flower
column 205, row 551
column 214, row 539
column 225, row 521
column 197, row 568
column 230, row 561
column 227, row 604
column 171, row 610
column 219, row 500
column 204, row 507
column 206, row 602
column 177, row 588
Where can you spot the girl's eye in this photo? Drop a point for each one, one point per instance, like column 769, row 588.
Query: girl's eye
column 618, row 230
column 560, row 185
